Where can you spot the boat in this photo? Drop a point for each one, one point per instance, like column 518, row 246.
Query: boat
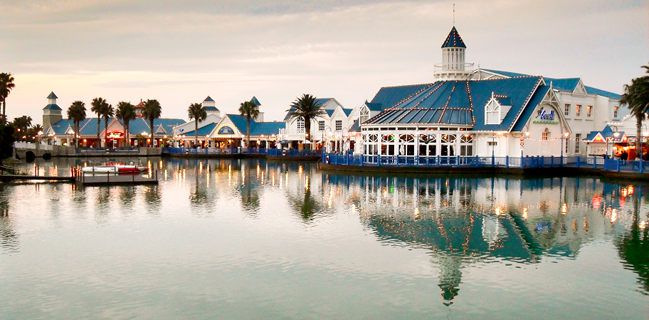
column 114, row 168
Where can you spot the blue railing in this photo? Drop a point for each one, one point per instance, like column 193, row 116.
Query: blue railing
column 536, row 162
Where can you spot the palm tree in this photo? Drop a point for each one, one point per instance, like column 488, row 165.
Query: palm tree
column 6, row 85
column 250, row 111
column 77, row 112
column 107, row 113
column 98, row 107
column 126, row 112
column 197, row 112
column 152, row 111
column 306, row 108
column 636, row 96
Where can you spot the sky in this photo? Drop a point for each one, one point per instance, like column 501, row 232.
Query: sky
column 179, row 52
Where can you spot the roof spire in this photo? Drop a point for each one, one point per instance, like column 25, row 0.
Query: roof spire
column 453, row 13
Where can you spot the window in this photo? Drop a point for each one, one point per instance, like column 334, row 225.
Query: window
column 589, row 111
column 300, row 125
column 339, row 125
column 566, row 146
column 566, row 109
column 578, row 110
column 448, row 145
column 545, row 135
column 616, row 109
column 321, row 126
column 577, row 142
column 365, row 115
column 466, row 145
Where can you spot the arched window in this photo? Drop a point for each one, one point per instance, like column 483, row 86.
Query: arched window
column 365, row 115
column 545, row 135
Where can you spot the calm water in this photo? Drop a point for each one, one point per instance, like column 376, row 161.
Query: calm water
column 251, row 239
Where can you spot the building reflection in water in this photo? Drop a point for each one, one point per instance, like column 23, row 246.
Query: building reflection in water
column 468, row 220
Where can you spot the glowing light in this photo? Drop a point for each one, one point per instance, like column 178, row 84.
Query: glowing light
column 564, row 208
column 525, row 213
column 613, row 215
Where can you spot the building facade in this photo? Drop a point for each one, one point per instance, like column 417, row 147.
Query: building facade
column 485, row 113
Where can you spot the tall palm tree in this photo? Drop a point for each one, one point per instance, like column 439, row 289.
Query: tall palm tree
column 636, row 96
column 77, row 112
column 306, row 108
column 108, row 112
column 197, row 112
column 98, row 107
column 152, row 111
column 250, row 111
column 126, row 112
column 6, row 85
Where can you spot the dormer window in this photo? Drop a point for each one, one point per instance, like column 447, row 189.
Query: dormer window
column 365, row 115
column 496, row 109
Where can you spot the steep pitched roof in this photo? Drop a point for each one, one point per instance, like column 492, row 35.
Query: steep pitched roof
column 52, row 96
column 203, row 131
column 208, row 99
column 456, row 102
column 453, row 40
column 52, row 106
column 348, row 111
column 211, row 109
column 374, row 106
column 255, row 101
column 256, row 128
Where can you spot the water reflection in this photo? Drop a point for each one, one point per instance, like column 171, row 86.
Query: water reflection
column 519, row 221
column 448, row 230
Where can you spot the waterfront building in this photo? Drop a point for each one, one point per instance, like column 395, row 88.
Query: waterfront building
column 60, row 131
column 333, row 130
column 186, row 132
column 230, row 132
column 485, row 113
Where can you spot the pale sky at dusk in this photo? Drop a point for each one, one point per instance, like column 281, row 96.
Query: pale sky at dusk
column 277, row 50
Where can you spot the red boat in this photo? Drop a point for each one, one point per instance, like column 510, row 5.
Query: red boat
column 130, row 169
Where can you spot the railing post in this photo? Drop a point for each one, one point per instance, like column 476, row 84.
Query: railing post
column 507, row 162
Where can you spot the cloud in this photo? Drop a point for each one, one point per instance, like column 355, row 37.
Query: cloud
column 276, row 50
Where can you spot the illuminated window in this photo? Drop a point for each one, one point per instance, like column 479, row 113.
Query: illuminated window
column 566, row 109
column 589, row 111
column 545, row 135
column 578, row 110
column 300, row 125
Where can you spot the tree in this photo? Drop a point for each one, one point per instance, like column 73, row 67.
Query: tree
column 21, row 125
column 77, row 112
column 250, row 111
column 152, row 111
column 6, row 85
column 107, row 113
column 197, row 112
column 126, row 112
column 99, row 105
column 305, row 108
column 636, row 96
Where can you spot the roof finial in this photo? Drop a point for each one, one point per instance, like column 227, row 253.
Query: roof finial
column 454, row 14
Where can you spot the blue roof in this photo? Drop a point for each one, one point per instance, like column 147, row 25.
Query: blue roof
column 507, row 73
column 453, row 40
column 88, row 126
column 591, row 135
column 356, row 127
column 52, row 96
column 255, row 101
column 329, row 112
column 603, row 93
column 202, row 131
column 562, row 84
column 256, row 128
column 52, row 106
column 211, row 109
column 374, row 106
column 456, row 102
column 208, row 99
column 348, row 111
column 61, row 126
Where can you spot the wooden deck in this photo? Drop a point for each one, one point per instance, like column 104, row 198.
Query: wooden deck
column 23, row 178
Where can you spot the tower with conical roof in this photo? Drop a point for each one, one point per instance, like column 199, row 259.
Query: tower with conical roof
column 453, row 66
column 210, row 106
column 51, row 112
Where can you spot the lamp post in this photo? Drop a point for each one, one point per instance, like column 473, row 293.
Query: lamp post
column 563, row 136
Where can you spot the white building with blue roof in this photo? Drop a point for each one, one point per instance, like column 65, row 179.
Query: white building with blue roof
column 60, row 131
column 186, row 132
column 483, row 112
